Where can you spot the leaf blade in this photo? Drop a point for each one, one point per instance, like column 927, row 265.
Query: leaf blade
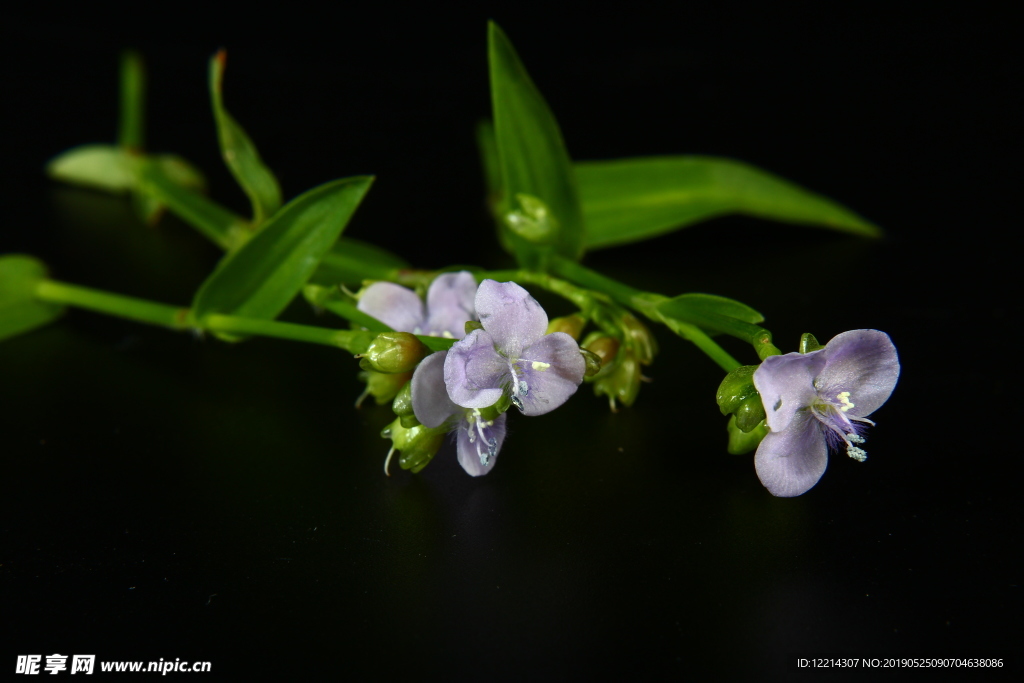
column 713, row 313
column 532, row 156
column 629, row 200
column 264, row 275
column 239, row 152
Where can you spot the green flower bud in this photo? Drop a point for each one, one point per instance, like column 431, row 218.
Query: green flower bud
column 417, row 445
column 808, row 343
column 750, row 413
column 532, row 221
column 639, row 338
column 572, row 325
column 408, row 421
column 737, row 386
column 741, row 442
column 383, row 387
column 621, row 381
column 602, row 346
column 394, row 352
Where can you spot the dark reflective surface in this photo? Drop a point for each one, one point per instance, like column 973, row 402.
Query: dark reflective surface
column 167, row 496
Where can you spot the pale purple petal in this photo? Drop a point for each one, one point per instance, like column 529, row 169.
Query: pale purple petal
column 863, row 363
column 790, row 462
column 450, row 304
column 510, row 315
column 478, row 444
column 552, row 370
column 786, row 384
column 394, row 305
column 474, row 372
column 430, row 402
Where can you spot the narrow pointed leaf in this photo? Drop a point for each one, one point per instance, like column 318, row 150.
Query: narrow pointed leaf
column 629, row 200
column 240, row 153
column 130, row 134
column 713, row 313
column 489, row 160
column 259, row 279
column 20, row 311
column 533, row 161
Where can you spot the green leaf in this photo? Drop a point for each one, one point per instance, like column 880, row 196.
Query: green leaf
column 350, row 261
column 489, row 160
column 532, row 157
column 158, row 180
column 133, row 95
column 259, row 279
column 712, row 313
column 629, row 200
column 240, row 153
column 101, row 167
column 20, row 310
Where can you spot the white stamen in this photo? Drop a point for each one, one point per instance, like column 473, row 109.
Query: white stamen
column 540, row 365
column 857, row 454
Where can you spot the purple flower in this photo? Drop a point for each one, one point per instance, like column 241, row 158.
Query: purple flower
column 512, row 356
column 817, row 400
column 478, row 438
column 449, row 305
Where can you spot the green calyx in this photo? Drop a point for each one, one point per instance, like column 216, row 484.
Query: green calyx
column 402, row 405
column 620, row 381
column 417, row 445
column 738, row 397
column 737, row 387
column 742, row 441
column 382, row 386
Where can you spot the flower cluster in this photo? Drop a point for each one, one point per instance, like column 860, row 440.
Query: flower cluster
column 817, row 400
column 509, row 361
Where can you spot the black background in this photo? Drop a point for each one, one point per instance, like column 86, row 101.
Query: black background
column 166, row 496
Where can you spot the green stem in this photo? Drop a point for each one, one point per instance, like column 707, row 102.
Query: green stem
column 139, row 310
column 355, row 341
column 624, row 294
column 702, row 341
column 177, row 318
column 643, row 303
